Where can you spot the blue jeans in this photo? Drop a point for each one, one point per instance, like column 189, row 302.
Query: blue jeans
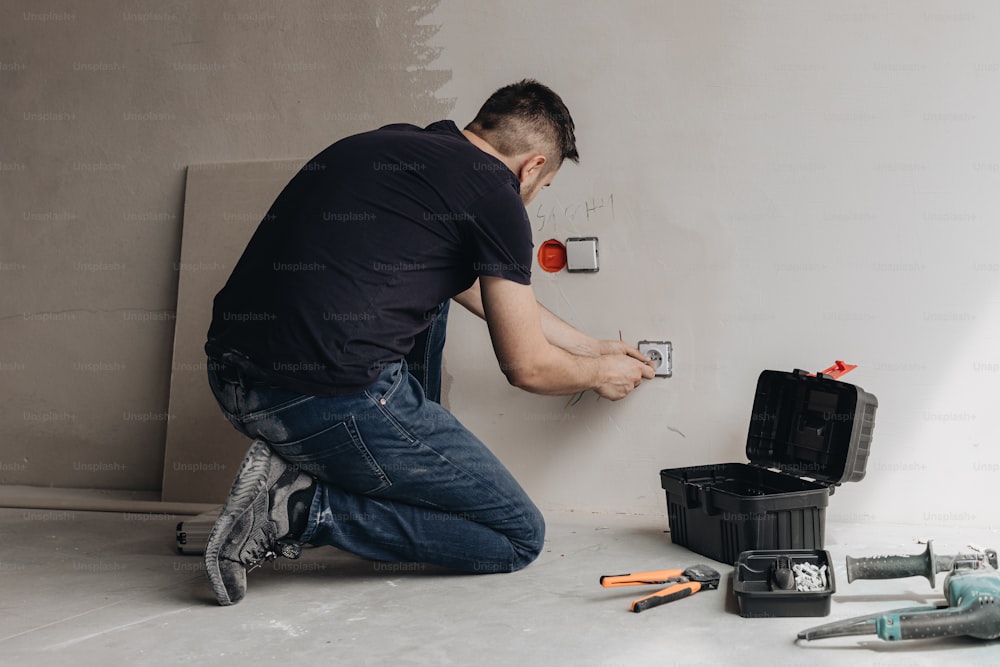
column 424, row 360
column 400, row 479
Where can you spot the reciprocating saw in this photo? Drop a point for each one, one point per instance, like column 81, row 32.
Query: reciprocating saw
column 971, row 588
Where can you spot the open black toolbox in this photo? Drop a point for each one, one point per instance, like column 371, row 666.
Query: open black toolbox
column 808, row 433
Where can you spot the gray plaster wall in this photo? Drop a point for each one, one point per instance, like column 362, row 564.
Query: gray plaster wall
column 775, row 185
column 106, row 103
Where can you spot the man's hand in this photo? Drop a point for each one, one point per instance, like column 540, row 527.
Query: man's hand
column 618, row 347
column 625, row 368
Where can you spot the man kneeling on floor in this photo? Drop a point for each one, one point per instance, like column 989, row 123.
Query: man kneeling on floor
column 325, row 346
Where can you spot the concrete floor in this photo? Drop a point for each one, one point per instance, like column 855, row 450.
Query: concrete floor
column 89, row 588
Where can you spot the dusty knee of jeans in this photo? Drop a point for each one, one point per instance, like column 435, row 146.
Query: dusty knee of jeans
column 525, row 547
column 530, row 546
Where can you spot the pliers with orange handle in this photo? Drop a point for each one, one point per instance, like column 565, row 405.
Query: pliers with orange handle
column 685, row 582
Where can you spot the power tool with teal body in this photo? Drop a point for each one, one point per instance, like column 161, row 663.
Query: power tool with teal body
column 971, row 588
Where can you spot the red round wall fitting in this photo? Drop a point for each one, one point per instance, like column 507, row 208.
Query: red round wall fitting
column 552, row 256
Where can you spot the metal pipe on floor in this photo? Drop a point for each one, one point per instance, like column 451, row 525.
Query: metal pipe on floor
column 109, row 505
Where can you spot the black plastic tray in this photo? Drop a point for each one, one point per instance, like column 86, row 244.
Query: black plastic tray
column 758, row 596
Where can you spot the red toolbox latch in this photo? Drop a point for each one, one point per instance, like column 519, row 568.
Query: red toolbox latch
column 839, row 368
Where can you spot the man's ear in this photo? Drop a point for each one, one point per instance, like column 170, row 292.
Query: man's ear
column 531, row 167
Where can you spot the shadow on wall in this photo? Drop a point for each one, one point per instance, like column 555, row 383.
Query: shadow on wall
column 372, row 60
column 411, row 78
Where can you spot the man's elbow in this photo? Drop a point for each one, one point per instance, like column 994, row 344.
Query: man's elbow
column 523, row 376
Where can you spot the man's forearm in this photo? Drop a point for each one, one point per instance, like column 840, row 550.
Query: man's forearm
column 565, row 336
column 557, row 332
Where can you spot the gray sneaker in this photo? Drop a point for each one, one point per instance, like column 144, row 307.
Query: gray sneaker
column 266, row 512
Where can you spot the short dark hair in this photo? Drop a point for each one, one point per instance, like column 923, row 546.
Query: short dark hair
column 527, row 116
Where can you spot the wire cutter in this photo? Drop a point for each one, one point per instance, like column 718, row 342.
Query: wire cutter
column 684, row 583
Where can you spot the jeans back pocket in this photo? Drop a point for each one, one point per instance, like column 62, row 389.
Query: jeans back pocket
column 338, row 456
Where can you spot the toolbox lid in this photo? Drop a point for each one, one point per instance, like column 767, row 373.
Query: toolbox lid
column 811, row 426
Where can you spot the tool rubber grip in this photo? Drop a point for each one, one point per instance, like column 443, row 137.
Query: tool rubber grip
column 668, row 595
column 888, row 567
column 640, row 578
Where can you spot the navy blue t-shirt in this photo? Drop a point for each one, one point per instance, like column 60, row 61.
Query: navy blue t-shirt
column 361, row 247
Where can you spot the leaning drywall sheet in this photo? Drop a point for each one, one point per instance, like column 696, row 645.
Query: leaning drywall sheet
column 223, row 204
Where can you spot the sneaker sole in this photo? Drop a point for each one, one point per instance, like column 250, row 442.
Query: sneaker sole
column 250, row 480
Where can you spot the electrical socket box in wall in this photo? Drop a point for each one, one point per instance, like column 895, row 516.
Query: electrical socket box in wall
column 581, row 254
column 661, row 353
